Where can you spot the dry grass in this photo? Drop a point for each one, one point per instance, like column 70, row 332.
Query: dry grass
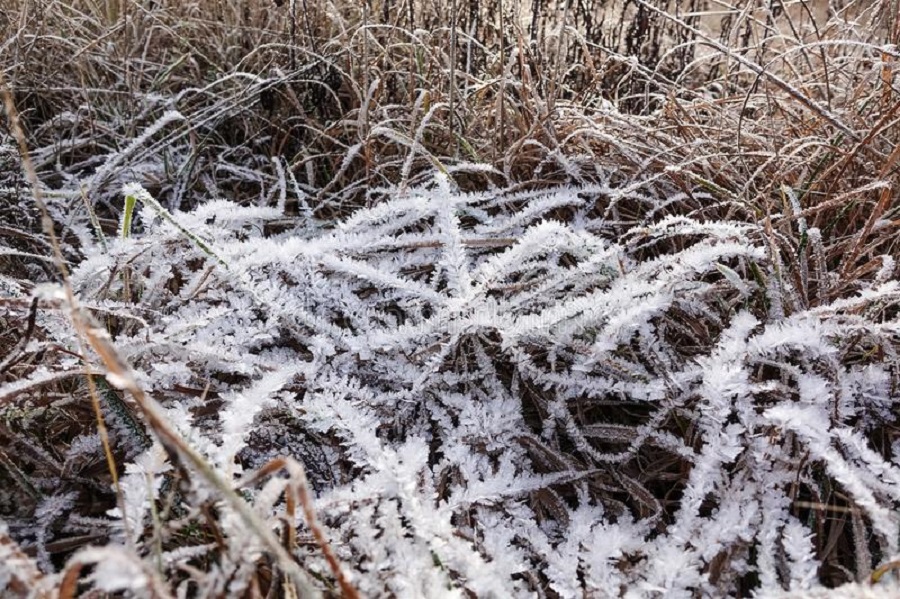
column 787, row 118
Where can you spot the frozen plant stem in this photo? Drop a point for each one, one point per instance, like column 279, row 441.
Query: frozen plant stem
column 134, row 192
column 60, row 262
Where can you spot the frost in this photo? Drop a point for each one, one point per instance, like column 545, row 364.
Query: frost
column 489, row 400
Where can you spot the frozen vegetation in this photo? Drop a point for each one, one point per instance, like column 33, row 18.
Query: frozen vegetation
column 481, row 393
column 612, row 333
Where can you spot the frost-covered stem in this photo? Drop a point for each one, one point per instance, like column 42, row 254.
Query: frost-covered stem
column 177, row 446
column 300, row 487
column 75, row 313
column 134, row 192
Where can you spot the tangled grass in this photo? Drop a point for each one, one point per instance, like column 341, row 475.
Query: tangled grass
column 547, row 298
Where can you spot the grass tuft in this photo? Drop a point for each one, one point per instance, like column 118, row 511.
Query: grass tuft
column 490, row 280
